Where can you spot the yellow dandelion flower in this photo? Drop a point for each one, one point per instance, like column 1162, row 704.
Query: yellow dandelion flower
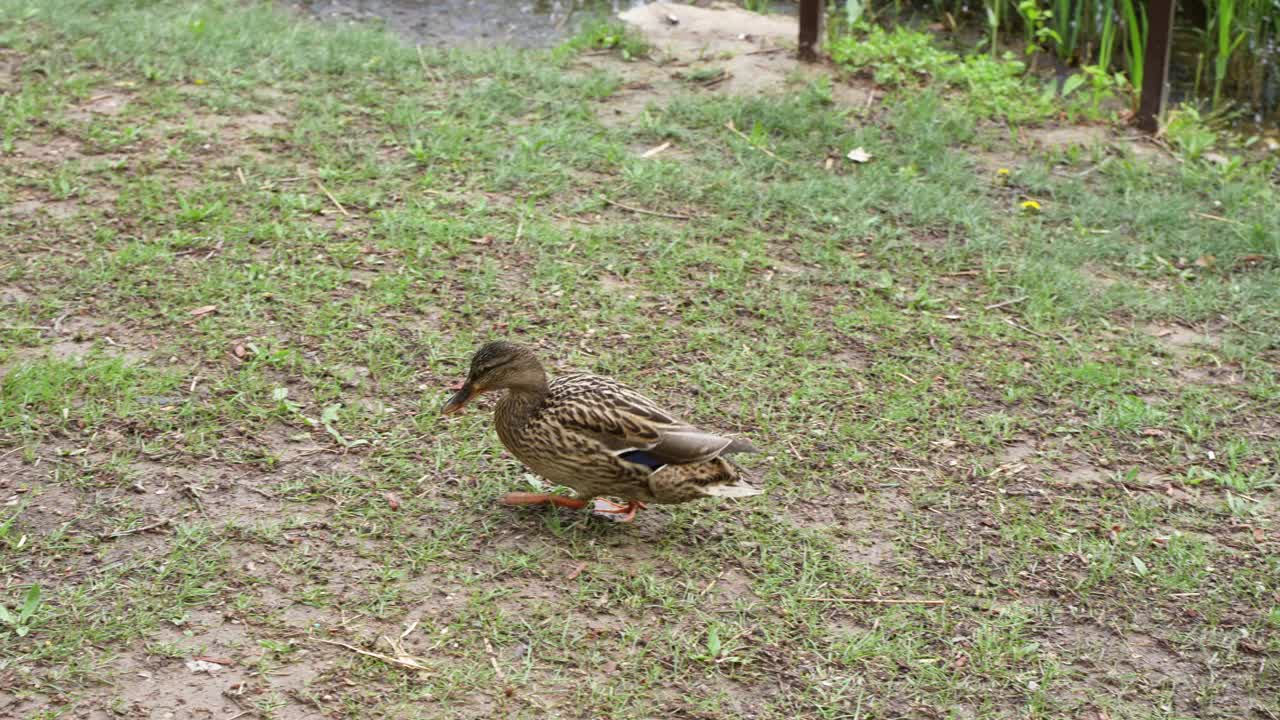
column 1004, row 172
column 198, row 81
column 1031, row 206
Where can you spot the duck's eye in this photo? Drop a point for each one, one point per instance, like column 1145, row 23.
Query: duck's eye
column 486, row 369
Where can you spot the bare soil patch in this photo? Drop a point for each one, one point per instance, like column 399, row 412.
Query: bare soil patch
column 1110, row 660
column 991, row 162
column 196, row 686
column 239, row 128
column 1180, row 336
column 54, row 150
column 53, row 209
column 1039, row 139
column 741, row 53
column 1098, row 277
column 77, row 336
column 1181, row 342
column 106, row 102
column 14, row 295
column 1217, row 375
column 10, row 66
column 1071, row 136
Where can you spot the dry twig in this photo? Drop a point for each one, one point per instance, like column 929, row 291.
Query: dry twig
column 655, row 150
column 401, row 659
column 121, row 533
column 1007, row 303
column 875, row 601
column 332, row 199
column 1218, row 218
column 642, row 211
column 734, row 129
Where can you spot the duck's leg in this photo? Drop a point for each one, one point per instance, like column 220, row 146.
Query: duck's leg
column 626, row 512
column 524, row 498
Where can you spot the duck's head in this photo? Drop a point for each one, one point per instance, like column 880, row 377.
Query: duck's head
column 498, row 365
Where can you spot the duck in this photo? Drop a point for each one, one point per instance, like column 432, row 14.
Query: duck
column 598, row 437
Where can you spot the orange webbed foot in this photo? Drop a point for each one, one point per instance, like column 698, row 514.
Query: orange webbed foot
column 621, row 513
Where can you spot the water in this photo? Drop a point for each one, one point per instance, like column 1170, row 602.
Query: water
column 538, row 23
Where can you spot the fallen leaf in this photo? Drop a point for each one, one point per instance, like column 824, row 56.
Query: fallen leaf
column 1216, row 159
column 1205, row 261
column 329, row 415
column 576, row 571
column 216, row 660
column 859, row 155
column 486, row 240
column 202, row 310
column 1251, row 647
column 393, row 501
column 203, row 666
column 240, row 352
column 1139, row 565
column 1259, row 535
column 655, row 150
column 1153, row 432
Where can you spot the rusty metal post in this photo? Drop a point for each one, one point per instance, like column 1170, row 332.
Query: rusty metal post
column 810, row 29
column 1155, row 64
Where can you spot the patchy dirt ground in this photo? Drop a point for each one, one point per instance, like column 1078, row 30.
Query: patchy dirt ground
column 721, row 49
column 228, row 316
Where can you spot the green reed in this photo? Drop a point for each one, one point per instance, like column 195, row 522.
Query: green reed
column 1135, row 23
column 1237, row 38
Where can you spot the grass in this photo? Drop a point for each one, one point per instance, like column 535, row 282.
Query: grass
column 1063, row 423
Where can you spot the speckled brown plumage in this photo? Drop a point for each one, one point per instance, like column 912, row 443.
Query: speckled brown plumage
column 598, row 436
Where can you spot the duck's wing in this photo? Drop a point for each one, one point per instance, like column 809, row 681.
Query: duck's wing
column 630, row 425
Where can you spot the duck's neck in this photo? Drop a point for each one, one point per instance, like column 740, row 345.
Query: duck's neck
column 522, row 401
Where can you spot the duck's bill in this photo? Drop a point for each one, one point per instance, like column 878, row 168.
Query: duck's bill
column 459, row 399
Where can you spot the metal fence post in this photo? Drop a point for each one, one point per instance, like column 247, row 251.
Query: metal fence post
column 1155, row 64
